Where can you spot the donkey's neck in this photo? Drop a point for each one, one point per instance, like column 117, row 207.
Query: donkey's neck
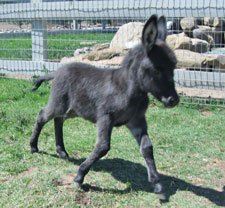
column 126, row 78
column 130, row 67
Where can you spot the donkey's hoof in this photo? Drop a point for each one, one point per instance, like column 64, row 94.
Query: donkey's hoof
column 77, row 185
column 158, row 190
column 34, row 150
column 63, row 155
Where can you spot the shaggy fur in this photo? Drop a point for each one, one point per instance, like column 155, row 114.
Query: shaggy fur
column 113, row 97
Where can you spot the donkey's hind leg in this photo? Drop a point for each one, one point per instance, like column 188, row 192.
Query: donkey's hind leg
column 60, row 148
column 43, row 117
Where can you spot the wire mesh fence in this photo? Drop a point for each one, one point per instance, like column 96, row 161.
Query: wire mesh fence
column 36, row 37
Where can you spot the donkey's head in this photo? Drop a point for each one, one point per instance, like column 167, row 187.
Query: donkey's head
column 156, row 69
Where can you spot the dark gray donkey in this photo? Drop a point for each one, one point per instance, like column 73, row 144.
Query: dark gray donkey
column 113, row 97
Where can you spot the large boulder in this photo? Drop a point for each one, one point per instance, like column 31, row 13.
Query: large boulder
column 203, row 35
column 115, row 61
column 204, row 62
column 200, row 46
column 108, row 53
column 181, row 41
column 216, row 33
column 189, row 59
column 213, row 21
column 127, row 36
column 100, row 54
column 99, row 47
column 188, row 23
column 216, row 62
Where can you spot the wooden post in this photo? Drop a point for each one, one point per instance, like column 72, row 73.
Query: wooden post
column 39, row 38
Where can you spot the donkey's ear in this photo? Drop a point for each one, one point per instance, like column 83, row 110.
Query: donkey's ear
column 162, row 29
column 149, row 34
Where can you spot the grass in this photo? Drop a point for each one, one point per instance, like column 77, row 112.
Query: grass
column 189, row 149
column 58, row 45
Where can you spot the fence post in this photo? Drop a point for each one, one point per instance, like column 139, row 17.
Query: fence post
column 75, row 24
column 39, row 38
column 104, row 22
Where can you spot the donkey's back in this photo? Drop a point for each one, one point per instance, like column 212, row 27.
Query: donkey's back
column 86, row 91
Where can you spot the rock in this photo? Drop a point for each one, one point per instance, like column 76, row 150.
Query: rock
column 189, row 59
column 200, row 34
column 181, row 41
column 204, row 62
column 216, row 62
column 200, row 46
column 115, row 61
column 205, row 29
column 78, row 58
column 216, row 33
column 132, row 44
column 218, row 36
column 130, row 32
column 99, row 47
column 82, row 51
column 213, row 21
column 101, row 55
column 186, row 59
column 188, row 23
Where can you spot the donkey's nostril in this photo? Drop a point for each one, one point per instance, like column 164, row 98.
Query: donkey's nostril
column 171, row 100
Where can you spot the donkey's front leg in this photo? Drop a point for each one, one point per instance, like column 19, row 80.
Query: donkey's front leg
column 138, row 128
column 102, row 146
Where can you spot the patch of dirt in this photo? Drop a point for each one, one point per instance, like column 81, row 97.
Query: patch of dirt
column 5, row 180
column 67, row 181
column 203, row 93
column 214, row 163
column 29, row 171
column 19, row 76
column 207, row 113
column 219, row 165
column 24, row 173
column 83, row 199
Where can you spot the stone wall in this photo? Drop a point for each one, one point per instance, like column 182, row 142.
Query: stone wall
column 196, row 45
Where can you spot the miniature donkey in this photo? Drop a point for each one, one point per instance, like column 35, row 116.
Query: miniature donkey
column 113, row 97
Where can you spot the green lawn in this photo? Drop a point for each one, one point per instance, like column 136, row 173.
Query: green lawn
column 189, row 144
column 58, row 45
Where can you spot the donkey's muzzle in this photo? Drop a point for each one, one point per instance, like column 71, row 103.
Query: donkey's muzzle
column 170, row 101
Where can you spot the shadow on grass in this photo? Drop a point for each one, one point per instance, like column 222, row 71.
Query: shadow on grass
column 135, row 176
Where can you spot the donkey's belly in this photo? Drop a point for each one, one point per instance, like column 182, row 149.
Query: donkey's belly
column 124, row 117
column 84, row 111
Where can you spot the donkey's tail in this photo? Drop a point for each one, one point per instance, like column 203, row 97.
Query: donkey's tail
column 38, row 81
